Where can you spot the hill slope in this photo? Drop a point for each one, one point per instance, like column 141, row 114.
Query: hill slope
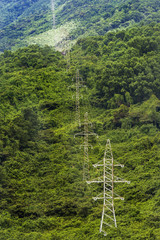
column 43, row 195
column 21, row 20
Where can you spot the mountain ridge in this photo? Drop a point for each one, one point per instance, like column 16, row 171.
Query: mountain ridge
column 93, row 18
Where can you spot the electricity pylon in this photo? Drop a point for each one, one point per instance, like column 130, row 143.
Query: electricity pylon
column 79, row 83
column 66, row 47
column 86, row 146
column 108, row 179
column 68, row 51
column 53, row 13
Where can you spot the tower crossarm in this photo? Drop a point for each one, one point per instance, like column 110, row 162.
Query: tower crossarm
column 120, row 180
column 107, row 196
column 119, row 198
column 100, row 196
column 85, row 134
column 119, row 165
column 98, row 180
column 101, row 164
column 97, row 198
column 80, row 85
column 124, row 181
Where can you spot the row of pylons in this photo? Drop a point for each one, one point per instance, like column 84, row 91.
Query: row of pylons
column 107, row 164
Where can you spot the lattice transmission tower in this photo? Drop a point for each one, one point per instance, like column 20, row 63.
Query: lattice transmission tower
column 65, row 46
column 68, row 52
column 86, row 133
column 53, row 13
column 78, row 84
column 108, row 179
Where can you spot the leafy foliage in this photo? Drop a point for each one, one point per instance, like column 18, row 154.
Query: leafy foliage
column 42, row 192
column 31, row 18
column 127, row 69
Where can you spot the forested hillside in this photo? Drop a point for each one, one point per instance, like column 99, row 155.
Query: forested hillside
column 19, row 19
column 43, row 195
column 21, row 22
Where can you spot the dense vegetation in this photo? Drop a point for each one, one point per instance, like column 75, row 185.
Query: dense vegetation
column 42, row 192
column 99, row 17
column 19, row 19
column 127, row 69
column 30, row 18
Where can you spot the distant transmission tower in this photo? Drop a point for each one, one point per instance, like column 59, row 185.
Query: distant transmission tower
column 53, row 13
column 67, row 50
column 65, row 47
column 108, row 179
column 77, row 86
column 86, row 146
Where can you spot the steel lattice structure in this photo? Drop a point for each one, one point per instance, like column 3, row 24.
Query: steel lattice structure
column 77, row 118
column 53, row 13
column 65, row 45
column 108, row 179
column 68, row 51
column 79, row 83
column 86, row 146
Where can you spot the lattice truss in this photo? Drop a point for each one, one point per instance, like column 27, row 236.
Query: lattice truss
column 65, row 45
column 53, row 13
column 79, row 83
column 86, row 133
column 108, row 179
